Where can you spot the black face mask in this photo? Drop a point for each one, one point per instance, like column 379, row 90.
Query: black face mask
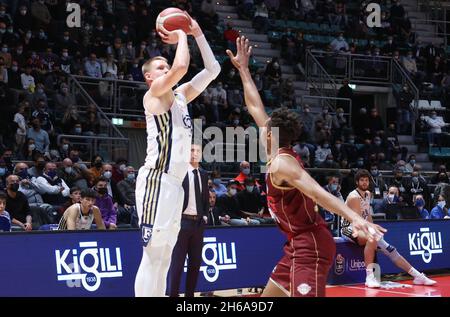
column 98, row 164
column 14, row 187
column 102, row 191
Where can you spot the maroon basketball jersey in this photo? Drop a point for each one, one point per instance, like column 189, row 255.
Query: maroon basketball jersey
column 293, row 211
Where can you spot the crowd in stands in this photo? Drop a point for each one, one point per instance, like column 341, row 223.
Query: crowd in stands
column 39, row 53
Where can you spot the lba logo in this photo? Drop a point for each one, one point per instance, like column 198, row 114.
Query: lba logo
column 88, row 264
column 425, row 243
column 217, row 256
column 339, row 264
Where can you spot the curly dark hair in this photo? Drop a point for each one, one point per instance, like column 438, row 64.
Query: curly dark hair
column 362, row 173
column 289, row 124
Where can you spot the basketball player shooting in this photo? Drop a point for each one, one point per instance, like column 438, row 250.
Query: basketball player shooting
column 159, row 194
column 292, row 195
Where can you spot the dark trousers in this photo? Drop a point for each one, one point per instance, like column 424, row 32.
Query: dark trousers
column 190, row 242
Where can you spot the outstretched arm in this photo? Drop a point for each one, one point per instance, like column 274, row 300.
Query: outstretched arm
column 199, row 82
column 180, row 65
column 252, row 98
column 285, row 168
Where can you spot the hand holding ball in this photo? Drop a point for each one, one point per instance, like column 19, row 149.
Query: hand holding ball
column 169, row 22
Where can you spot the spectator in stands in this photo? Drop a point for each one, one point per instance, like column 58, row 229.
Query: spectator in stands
column 419, row 202
column 400, row 183
column 40, row 137
column 409, row 62
column 272, row 74
column 375, row 122
column 4, row 214
column 322, row 152
column 339, row 44
column 53, row 189
column 288, row 93
column 382, row 164
column 245, row 172
column 111, row 185
column 73, row 175
column 440, row 176
column 329, row 162
column 27, row 80
column 70, row 118
column 377, row 185
column 218, row 188
column 26, row 185
column 302, row 150
column 346, row 92
column 105, row 203
column 92, row 67
column 261, row 18
column 404, row 100
column 21, row 131
column 109, row 66
column 230, row 206
column 390, row 203
column 436, row 124
column 126, row 188
column 334, row 188
column 215, row 218
column 417, row 185
column 439, row 211
column 209, row 18
column 43, row 116
column 41, row 14
column 96, row 167
column 250, row 202
column 393, row 146
column 230, row 35
column 3, row 174
column 119, row 169
column 63, row 99
column 442, row 187
column 17, row 204
column 411, row 163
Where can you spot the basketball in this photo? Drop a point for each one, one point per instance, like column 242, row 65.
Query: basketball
column 173, row 19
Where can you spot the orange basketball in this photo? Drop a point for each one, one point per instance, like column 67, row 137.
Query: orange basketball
column 173, row 19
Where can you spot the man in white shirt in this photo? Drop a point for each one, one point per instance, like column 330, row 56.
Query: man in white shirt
column 53, row 189
column 27, row 80
column 436, row 124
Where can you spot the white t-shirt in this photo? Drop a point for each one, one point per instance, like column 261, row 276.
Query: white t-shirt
column 20, row 120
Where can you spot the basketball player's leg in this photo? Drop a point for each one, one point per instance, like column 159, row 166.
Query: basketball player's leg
column 273, row 290
column 157, row 252
column 279, row 281
column 391, row 252
column 313, row 257
column 370, row 248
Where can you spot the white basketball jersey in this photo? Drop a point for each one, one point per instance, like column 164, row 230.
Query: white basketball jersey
column 365, row 207
column 169, row 138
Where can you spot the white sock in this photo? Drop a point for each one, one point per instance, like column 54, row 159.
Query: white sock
column 414, row 273
column 369, row 272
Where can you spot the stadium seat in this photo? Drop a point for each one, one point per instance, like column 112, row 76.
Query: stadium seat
column 435, row 104
column 424, row 104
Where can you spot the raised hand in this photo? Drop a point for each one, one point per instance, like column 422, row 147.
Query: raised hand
column 372, row 231
column 244, row 50
column 195, row 29
column 170, row 37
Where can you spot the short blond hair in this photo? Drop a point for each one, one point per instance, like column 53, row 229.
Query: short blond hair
column 147, row 64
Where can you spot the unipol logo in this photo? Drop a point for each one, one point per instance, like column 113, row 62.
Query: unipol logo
column 425, row 243
column 88, row 264
column 374, row 18
column 74, row 18
column 217, row 256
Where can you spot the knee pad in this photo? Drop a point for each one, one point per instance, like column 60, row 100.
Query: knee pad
column 389, row 250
